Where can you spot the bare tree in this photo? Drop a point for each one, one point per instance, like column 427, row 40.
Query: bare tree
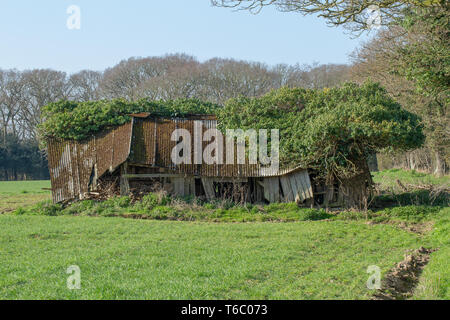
column 352, row 14
column 228, row 78
column 41, row 87
column 85, row 85
column 125, row 79
column 11, row 98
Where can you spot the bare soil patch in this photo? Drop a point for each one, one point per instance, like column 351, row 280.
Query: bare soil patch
column 401, row 281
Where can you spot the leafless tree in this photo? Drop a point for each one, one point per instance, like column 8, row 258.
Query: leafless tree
column 85, row 85
column 351, row 14
column 41, row 87
column 11, row 99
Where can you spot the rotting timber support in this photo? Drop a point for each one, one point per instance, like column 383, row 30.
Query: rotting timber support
column 290, row 187
column 124, row 182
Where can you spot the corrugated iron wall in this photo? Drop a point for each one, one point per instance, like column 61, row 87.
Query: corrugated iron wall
column 152, row 146
column 74, row 164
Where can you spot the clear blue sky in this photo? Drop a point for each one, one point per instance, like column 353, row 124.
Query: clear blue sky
column 33, row 34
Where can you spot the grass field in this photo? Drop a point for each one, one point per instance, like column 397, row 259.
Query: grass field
column 314, row 256
column 388, row 179
column 134, row 259
column 14, row 194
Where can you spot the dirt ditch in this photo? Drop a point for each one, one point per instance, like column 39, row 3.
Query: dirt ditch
column 401, row 281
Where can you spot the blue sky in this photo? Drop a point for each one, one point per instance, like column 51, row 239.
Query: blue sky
column 33, row 34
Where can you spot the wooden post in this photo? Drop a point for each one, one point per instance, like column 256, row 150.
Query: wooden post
column 287, row 189
column 124, row 182
column 209, row 188
column 272, row 189
column 178, row 187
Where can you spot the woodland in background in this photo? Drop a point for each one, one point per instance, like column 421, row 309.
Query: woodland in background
column 409, row 57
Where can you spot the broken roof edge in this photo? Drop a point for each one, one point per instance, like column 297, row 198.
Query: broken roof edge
column 200, row 116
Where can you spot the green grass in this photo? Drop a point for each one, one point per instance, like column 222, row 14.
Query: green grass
column 147, row 259
column 435, row 281
column 178, row 209
column 388, row 178
column 21, row 187
column 15, row 194
column 392, row 194
column 313, row 255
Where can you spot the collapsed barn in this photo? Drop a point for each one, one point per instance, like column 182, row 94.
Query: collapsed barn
column 136, row 157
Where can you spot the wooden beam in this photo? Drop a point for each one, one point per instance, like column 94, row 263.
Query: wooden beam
column 272, row 189
column 209, row 188
column 287, row 189
column 152, row 175
column 229, row 179
column 178, row 187
column 124, row 184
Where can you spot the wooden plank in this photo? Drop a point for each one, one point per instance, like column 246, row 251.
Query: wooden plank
column 287, row 189
column 178, row 187
column 230, row 179
column 272, row 189
column 189, row 186
column 209, row 188
column 267, row 189
column 275, row 189
column 306, row 183
column 300, row 186
column 328, row 198
column 124, row 184
column 294, row 187
column 152, row 176
column 259, row 187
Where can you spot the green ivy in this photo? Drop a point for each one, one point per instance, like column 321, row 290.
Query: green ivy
column 331, row 129
column 80, row 120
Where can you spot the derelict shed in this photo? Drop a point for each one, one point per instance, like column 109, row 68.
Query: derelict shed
column 137, row 157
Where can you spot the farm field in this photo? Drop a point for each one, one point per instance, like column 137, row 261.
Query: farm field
column 14, row 194
column 137, row 259
column 150, row 259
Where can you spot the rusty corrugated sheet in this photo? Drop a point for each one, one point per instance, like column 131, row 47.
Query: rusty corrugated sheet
column 152, row 146
column 72, row 164
column 145, row 141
